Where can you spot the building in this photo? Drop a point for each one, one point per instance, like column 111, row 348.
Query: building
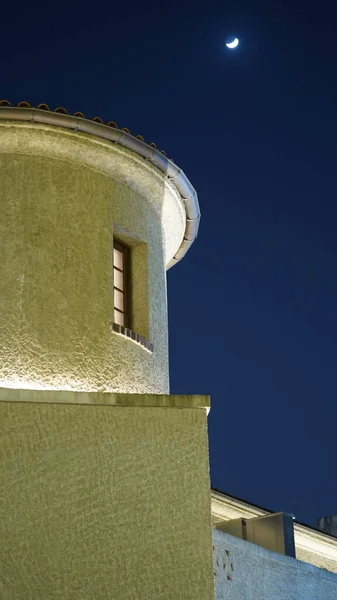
column 105, row 489
column 264, row 570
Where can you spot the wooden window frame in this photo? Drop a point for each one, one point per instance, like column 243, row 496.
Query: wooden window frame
column 126, row 252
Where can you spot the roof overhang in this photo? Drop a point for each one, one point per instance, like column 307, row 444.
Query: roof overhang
column 173, row 173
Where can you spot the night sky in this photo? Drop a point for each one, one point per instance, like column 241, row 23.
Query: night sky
column 252, row 306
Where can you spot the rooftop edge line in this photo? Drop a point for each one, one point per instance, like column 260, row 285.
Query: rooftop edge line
column 77, row 122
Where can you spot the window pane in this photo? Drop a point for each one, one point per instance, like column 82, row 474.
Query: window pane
column 119, row 318
column 118, row 300
column 118, row 259
column 118, row 279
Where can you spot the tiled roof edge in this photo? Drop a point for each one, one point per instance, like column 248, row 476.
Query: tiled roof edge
column 95, row 126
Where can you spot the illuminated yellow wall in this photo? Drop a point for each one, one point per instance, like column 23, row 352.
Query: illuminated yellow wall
column 61, row 195
column 104, row 496
column 104, row 488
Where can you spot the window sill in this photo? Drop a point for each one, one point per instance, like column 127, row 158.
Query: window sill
column 132, row 335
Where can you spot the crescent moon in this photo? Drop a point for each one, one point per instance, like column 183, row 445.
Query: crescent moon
column 233, row 44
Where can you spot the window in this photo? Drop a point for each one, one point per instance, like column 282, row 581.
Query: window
column 122, row 303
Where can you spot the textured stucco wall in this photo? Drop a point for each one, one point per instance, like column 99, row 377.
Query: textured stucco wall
column 61, row 195
column 103, row 501
column 244, row 571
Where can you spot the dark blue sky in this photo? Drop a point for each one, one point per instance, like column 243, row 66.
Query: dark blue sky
column 253, row 305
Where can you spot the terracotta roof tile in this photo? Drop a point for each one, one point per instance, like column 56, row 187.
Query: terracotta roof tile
column 63, row 111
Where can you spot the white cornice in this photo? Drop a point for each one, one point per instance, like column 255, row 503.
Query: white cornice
column 312, row 546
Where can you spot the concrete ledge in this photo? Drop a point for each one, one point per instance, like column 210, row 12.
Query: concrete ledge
column 96, row 398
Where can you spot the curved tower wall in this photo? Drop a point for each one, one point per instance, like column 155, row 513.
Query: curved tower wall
column 106, row 490
column 64, row 195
